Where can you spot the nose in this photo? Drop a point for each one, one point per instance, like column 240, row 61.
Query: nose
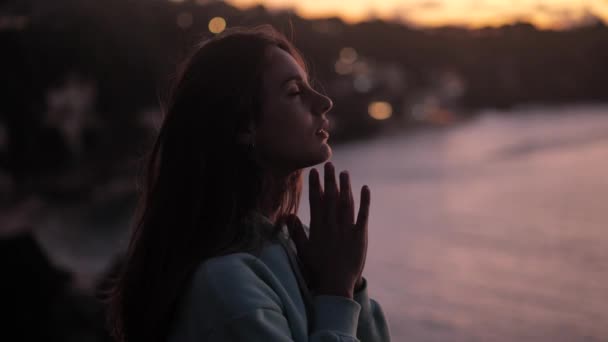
column 324, row 103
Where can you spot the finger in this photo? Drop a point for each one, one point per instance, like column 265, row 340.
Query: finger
column 347, row 210
column 331, row 194
column 363, row 215
column 315, row 197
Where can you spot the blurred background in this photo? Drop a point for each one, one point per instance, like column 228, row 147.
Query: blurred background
column 481, row 127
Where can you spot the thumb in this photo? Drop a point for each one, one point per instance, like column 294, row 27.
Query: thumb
column 296, row 232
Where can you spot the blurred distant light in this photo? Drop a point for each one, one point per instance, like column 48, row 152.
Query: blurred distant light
column 361, row 67
column 452, row 85
column 362, row 83
column 184, row 20
column 442, row 117
column 217, row 25
column 431, row 111
column 380, row 110
column 343, row 68
column 70, row 108
column 418, row 112
column 348, row 55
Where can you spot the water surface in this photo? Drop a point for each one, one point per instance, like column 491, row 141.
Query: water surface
column 493, row 230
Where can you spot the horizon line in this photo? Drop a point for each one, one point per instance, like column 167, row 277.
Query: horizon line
column 587, row 18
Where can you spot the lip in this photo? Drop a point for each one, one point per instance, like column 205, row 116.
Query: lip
column 325, row 125
column 322, row 133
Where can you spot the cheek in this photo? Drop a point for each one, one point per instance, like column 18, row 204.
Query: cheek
column 289, row 121
column 294, row 149
column 287, row 135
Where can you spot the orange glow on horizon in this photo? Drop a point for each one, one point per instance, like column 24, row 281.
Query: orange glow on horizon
column 432, row 13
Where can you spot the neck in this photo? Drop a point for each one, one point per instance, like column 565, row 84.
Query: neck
column 273, row 190
column 273, row 186
column 270, row 199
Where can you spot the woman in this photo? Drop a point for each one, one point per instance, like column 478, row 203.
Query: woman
column 211, row 258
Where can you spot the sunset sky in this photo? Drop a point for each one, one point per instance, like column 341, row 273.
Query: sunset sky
column 471, row 13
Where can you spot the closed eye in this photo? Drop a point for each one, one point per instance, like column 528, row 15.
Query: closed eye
column 295, row 91
column 299, row 88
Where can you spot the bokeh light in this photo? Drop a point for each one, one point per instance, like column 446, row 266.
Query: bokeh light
column 217, row 25
column 343, row 68
column 362, row 83
column 361, row 67
column 348, row 55
column 380, row 110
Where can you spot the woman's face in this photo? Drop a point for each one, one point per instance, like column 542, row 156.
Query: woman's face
column 288, row 136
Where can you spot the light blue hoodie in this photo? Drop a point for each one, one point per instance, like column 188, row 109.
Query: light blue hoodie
column 241, row 297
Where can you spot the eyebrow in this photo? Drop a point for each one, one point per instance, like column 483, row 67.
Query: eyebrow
column 293, row 77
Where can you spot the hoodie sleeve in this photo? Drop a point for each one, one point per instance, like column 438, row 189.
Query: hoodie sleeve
column 337, row 319
column 233, row 300
column 336, row 322
column 372, row 325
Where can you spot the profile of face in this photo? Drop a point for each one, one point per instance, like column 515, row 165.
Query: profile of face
column 292, row 133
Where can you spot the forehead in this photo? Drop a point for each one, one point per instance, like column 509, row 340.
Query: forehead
column 281, row 65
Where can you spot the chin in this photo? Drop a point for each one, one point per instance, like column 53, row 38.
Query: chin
column 311, row 158
column 327, row 152
column 322, row 155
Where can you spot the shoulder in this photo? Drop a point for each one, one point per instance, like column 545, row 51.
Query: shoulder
column 234, row 283
column 221, row 290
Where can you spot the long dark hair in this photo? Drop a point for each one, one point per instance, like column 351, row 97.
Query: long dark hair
column 200, row 183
